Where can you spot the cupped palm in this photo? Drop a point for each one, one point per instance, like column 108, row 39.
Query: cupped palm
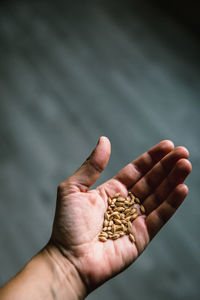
column 156, row 177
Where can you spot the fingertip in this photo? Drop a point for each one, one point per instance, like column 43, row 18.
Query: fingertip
column 182, row 189
column 167, row 144
column 104, row 139
column 105, row 143
column 182, row 151
column 185, row 165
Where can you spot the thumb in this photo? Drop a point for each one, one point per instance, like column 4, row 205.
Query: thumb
column 92, row 168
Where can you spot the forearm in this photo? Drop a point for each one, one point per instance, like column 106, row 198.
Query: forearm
column 47, row 277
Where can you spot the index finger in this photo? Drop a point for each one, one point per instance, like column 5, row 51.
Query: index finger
column 132, row 172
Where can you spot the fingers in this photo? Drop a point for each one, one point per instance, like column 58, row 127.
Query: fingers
column 158, row 217
column 91, row 169
column 147, row 184
column 131, row 173
column 177, row 175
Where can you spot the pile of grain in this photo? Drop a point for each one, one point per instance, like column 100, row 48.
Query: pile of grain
column 118, row 218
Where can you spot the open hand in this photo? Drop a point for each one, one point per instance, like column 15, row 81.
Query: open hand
column 156, row 177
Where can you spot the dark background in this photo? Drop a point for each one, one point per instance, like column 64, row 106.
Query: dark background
column 71, row 71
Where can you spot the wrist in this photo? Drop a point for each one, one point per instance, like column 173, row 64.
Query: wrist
column 66, row 281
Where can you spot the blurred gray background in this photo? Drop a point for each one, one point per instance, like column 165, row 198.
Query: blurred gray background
column 71, row 71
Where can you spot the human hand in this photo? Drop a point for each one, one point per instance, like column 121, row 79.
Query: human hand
column 156, row 177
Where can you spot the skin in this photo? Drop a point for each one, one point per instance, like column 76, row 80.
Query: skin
column 75, row 262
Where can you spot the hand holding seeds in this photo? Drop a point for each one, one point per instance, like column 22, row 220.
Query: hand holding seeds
column 102, row 231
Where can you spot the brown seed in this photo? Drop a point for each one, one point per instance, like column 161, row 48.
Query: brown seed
column 118, row 227
column 120, row 209
column 115, row 236
column 117, row 221
column 109, row 233
column 129, row 226
column 116, row 195
column 127, row 210
column 113, row 228
column 109, row 210
column 124, row 222
column 119, row 204
column 106, row 216
column 121, row 233
column 112, row 205
column 142, row 209
column 109, row 201
column 122, row 216
column 132, row 211
column 105, row 223
column 102, row 238
column 105, row 228
column 109, row 228
column 134, row 216
column 103, row 233
column 137, row 200
column 126, row 202
column 121, row 199
column 131, row 202
column 128, row 218
column 110, row 222
column 114, row 214
column 132, row 197
column 131, row 237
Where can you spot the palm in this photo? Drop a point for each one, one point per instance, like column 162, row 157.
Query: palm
column 155, row 178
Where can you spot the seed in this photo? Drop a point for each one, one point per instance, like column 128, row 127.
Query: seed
column 124, row 221
column 109, row 201
column 113, row 228
column 106, row 216
column 105, row 228
column 128, row 218
column 102, row 238
column 131, row 202
column 142, row 209
column 127, row 210
column 137, row 200
column 117, row 221
column 126, row 202
column 121, row 233
column 122, row 216
column 118, row 227
column 110, row 222
column 114, row 214
column 109, row 228
column 132, row 196
column 129, row 226
column 105, row 223
column 112, row 205
column 131, row 237
column 103, row 233
column 121, row 199
column 132, row 211
column 120, row 209
column 119, row 203
column 115, row 236
column 134, row 216
column 109, row 210
column 116, row 195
